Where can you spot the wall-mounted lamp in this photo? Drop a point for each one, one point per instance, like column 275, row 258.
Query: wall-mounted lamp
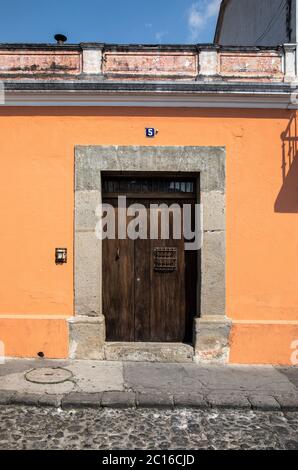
column 61, row 255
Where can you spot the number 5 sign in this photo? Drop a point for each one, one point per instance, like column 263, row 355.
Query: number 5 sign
column 150, row 132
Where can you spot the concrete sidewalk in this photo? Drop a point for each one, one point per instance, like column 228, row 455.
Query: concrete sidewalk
column 70, row 384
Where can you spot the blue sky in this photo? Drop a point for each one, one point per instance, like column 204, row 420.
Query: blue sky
column 112, row 21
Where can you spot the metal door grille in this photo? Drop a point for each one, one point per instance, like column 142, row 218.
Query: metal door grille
column 165, row 259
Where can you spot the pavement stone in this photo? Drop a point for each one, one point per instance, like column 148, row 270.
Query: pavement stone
column 97, row 376
column 79, row 399
column 222, row 400
column 263, row 402
column 203, row 379
column 116, row 399
column 6, row 397
column 50, row 400
column 291, row 373
column 190, row 401
column 39, row 428
column 154, row 400
column 24, row 365
column 21, row 398
column 288, row 402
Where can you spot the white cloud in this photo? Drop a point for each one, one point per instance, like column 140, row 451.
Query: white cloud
column 213, row 8
column 195, row 18
column 198, row 15
column 159, row 35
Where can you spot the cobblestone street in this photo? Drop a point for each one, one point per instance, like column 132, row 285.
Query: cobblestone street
column 50, row 428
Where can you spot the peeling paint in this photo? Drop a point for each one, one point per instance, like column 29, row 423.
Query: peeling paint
column 260, row 64
column 30, row 62
column 134, row 62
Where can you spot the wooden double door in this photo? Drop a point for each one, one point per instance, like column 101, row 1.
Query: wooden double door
column 149, row 283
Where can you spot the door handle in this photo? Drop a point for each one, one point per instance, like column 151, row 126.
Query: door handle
column 117, row 254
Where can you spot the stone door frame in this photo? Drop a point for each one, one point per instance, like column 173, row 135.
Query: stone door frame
column 87, row 327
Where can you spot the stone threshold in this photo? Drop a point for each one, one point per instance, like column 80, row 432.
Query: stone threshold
column 148, row 352
column 131, row 399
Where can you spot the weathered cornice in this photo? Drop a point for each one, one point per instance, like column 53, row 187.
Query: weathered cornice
column 144, row 94
column 143, row 87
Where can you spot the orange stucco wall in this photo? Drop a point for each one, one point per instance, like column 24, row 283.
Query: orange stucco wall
column 37, row 199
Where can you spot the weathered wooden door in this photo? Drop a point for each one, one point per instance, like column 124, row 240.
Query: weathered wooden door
column 149, row 283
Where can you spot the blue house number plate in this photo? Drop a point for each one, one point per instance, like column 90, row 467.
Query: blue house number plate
column 150, row 132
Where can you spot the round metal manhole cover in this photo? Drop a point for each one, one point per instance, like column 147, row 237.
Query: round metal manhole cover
column 48, row 375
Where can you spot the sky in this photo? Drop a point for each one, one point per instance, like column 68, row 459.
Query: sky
column 110, row 21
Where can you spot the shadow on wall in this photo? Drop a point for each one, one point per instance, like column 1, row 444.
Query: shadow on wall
column 287, row 199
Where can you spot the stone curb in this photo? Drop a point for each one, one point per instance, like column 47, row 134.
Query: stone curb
column 228, row 401
column 185, row 400
column 130, row 399
column 80, row 400
column 154, row 400
column 118, row 399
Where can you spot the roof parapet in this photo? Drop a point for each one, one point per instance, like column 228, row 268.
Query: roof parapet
column 147, row 62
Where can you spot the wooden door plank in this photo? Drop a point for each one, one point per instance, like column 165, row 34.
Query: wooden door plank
column 118, row 288
column 168, row 294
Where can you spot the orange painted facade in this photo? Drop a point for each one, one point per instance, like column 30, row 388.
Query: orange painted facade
column 37, row 215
